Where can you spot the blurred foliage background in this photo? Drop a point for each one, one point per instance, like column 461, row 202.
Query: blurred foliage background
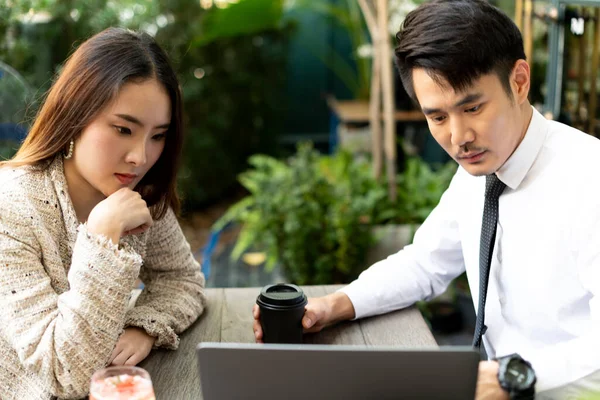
column 230, row 58
column 255, row 73
column 255, row 76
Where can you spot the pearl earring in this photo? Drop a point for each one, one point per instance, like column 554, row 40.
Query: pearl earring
column 70, row 153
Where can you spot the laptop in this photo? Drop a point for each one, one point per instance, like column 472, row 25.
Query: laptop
column 282, row 371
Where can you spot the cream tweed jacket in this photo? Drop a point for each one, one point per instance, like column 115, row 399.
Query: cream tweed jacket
column 64, row 292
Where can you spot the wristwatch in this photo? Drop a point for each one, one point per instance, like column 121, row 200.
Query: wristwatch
column 517, row 377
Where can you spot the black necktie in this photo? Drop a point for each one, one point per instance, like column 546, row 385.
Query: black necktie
column 493, row 189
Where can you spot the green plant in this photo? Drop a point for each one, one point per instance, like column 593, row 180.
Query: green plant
column 420, row 187
column 351, row 69
column 36, row 36
column 312, row 215
column 233, row 97
column 354, row 69
column 7, row 149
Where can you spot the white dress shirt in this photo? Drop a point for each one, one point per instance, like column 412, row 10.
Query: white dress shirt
column 544, row 283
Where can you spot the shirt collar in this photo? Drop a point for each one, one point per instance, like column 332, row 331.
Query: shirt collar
column 520, row 162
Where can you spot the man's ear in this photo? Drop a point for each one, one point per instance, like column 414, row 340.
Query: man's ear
column 520, row 81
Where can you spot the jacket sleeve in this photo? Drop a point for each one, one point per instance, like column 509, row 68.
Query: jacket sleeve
column 61, row 338
column 173, row 295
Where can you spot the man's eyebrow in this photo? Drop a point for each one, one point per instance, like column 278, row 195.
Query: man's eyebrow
column 136, row 121
column 470, row 98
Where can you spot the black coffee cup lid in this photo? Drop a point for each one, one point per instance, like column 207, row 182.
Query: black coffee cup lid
column 282, row 294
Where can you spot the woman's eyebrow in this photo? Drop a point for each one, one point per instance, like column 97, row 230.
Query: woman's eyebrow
column 136, row 121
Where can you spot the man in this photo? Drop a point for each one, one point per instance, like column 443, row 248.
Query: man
column 521, row 216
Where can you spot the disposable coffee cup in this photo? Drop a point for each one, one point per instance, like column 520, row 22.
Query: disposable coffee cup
column 281, row 311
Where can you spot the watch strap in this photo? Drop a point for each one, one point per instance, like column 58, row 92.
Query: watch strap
column 527, row 394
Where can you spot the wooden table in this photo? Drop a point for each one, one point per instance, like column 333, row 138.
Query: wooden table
column 228, row 318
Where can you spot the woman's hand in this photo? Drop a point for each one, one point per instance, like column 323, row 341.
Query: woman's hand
column 133, row 346
column 122, row 213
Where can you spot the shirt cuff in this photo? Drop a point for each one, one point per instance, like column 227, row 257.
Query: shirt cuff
column 362, row 300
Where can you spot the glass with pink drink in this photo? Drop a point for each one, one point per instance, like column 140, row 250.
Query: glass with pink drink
column 119, row 383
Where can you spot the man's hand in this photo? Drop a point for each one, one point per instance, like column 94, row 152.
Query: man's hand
column 133, row 346
column 488, row 387
column 319, row 313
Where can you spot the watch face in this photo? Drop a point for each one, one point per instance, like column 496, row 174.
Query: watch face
column 518, row 375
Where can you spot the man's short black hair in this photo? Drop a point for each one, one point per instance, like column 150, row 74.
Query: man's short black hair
column 458, row 41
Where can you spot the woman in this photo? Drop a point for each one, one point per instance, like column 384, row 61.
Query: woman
column 87, row 206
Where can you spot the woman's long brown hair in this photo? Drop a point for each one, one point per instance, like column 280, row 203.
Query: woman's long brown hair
column 89, row 81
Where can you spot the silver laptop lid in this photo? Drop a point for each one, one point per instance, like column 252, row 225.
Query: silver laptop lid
column 278, row 371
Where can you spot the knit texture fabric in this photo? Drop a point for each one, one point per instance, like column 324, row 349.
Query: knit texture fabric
column 64, row 292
